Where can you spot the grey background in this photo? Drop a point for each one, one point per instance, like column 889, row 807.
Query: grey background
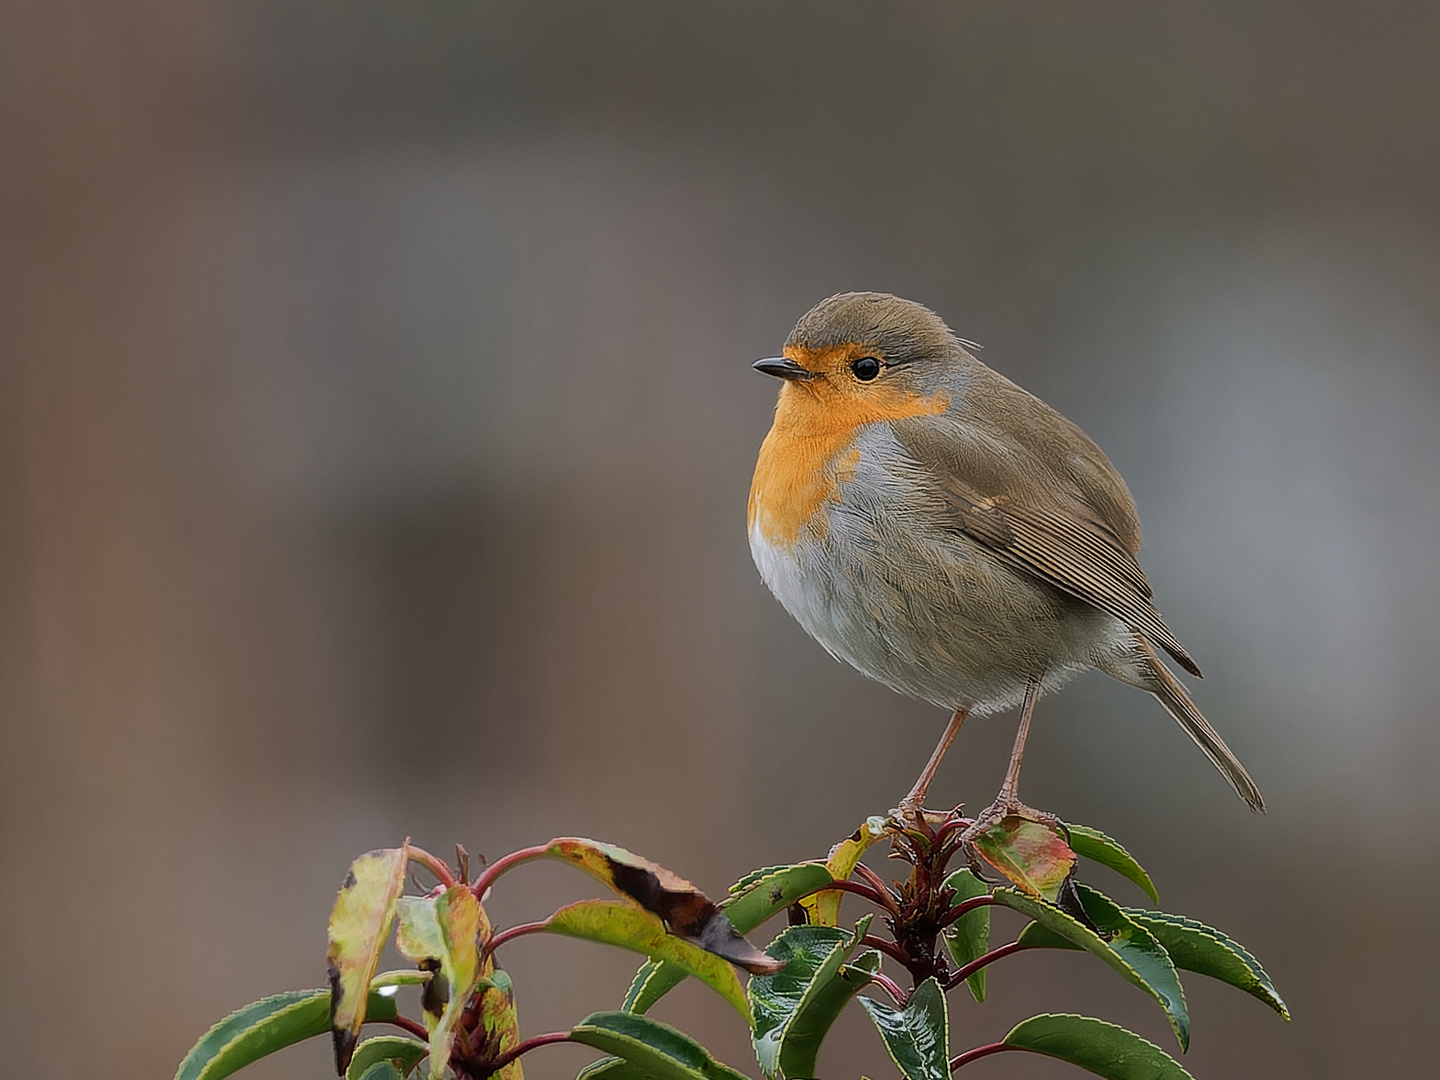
column 376, row 423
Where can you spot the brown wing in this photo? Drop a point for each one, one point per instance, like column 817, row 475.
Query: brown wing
column 1034, row 512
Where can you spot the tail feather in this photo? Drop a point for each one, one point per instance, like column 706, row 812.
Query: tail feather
column 1172, row 695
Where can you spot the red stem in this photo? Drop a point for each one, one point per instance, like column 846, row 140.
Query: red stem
column 890, row 986
column 990, row 957
column 978, row 1053
column 512, row 933
column 435, row 865
column 525, row 1047
column 506, row 862
column 889, row 948
column 877, row 883
column 962, row 909
column 405, row 1023
column 943, row 833
column 856, row 887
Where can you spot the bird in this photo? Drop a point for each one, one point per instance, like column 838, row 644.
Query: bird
column 950, row 535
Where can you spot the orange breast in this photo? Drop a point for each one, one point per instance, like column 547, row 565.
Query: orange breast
column 809, row 451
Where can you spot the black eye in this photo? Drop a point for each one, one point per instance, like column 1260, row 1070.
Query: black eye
column 866, row 368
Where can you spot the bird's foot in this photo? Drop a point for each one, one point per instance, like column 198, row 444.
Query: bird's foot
column 911, row 814
column 1007, row 805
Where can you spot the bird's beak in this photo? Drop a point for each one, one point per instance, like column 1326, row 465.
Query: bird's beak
column 783, row 368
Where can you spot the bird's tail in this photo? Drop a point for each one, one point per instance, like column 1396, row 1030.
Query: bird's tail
column 1177, row 703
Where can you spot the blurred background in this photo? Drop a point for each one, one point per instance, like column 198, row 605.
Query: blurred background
column 376, row 424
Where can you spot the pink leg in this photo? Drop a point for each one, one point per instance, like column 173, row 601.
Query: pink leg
column 913, row 804
column 1012, row 774
column 1008, row 802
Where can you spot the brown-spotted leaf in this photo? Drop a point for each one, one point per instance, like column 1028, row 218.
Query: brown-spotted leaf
column 499, row 1025
column 686, row 911
column 823, row 909
column 442, row 934
column 631, row 927
column 359, row 924
column 1032, row 854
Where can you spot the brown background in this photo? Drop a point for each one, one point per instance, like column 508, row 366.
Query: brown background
column 376, row 422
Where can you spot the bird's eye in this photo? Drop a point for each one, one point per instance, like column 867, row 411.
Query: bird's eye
column 866, row 368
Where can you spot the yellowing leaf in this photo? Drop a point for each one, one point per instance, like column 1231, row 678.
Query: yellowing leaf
column 752, row 900
column 823, row 909
column 359, row 924
column 1031, row 854
column 632, row 928
column 442, row 934
column 686, row 910
column 499, row 1024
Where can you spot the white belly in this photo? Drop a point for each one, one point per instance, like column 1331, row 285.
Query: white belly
column 929, row 613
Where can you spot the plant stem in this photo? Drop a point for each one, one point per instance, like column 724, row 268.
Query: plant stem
column 889, row 948
column 957, row 977
column 876, row 882
column 406, row 1024
column 857, row 887
column 961, row 910
column 435, row 865
column 504, row 863
column 512, row 933
column 525, row 1047
column 891, row 987
column 978, row 1053
column 950, row 827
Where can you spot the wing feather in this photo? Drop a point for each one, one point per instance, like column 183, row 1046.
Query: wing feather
column 1040, row 522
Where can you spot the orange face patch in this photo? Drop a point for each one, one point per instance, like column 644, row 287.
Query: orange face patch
column 803, row 460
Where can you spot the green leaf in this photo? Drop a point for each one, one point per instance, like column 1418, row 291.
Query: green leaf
column 630, row 927
column 821, row 1010
column 403, row 1052
column 1095, row 845
column 655, row 1050
column 1103, row 1049
column 611, row 1068
column 653, row 981
column 773, row 893
column 968, row 938
column 1127, row 947
column 1030, row 853
column 755, row 875
column 917, row 1036
column 762, row 896
column 823, row 908
column 381, row 1070
column 1196, row 947
column 443, row 933
column 359, row 924
column 813, row 956
column 264, row 1027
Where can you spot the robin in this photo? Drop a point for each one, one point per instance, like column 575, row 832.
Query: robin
column 949, row 534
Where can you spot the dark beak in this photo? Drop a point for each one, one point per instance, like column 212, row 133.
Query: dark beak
column 782, row 368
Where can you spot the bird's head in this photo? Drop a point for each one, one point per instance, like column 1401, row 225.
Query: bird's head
column 867, row 352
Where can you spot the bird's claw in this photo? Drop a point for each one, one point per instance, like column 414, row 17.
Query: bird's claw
column 1007, row 805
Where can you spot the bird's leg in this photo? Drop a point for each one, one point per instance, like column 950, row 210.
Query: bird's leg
column 913, row 805
column 1007, row 802
column 1017, row 752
